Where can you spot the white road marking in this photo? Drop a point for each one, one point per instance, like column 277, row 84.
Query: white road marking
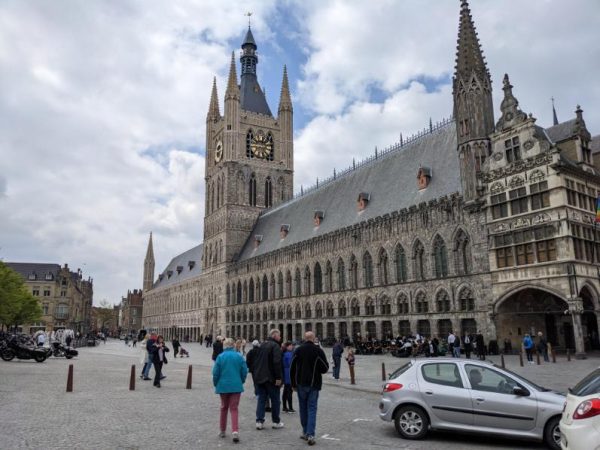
column 326, row 436
column 362, row 420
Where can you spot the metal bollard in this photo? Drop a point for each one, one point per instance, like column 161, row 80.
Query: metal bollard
column 383, row 377
column 568, row 354
column 188, row 385
column 502, row 361
column 351, row 368
column 537, row 355
column 70, row 379
column 553, row 355
column 521, row 359
column 132, row 378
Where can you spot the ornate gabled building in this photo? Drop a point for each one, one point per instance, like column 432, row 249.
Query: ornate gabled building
column 472, row 225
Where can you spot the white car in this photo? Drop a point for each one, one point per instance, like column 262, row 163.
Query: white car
column 580, row 422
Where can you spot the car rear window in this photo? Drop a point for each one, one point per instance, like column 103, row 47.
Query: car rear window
column 588, row 386
column 400, row 370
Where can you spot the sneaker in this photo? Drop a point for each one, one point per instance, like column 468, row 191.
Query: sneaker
column 236, row 437
column 285, row 410
column 291, row 411
column 222, row 434
column 146, row 378
column 304, row 437
column 162, row 377
column 259, row 425
column 311, row 440
column 277, row 426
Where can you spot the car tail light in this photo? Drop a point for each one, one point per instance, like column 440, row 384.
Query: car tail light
column 390, row 387
column 589, row 408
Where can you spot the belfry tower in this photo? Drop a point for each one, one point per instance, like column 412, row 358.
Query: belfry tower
column 473, row 107
column 249, row 158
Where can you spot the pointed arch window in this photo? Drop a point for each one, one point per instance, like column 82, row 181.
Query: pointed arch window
column 298, row 312
column 218, row 192
column 385, row 305
column 369, row 307
column 422, row 306
column 268, row 193
column 440, row 258
column 341, row 275
column 419, row 261
column 251, row 291
column 355, row 307
column 307, row 311
column 342, row 308
column 368, row 269
column 307, row 277
column 228, row 294
column 383, row 267
column 265, row 288
column 279, row 285
column 288, row 284
column 297, row 283
column 249, row 139
column 272, row 287
column 400, row 262
column 252, row 190
column 239, row 293
column 462, row 253
column 328, row 277
column 467, row 302
column 318, row 279
column 353, row 273
column 318, row 311
column 402, row 304
column 329, row 309
column 442, row 301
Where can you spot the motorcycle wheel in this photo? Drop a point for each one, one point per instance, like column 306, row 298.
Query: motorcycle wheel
column 39, row 358
column 68, row 356
column 7, row 355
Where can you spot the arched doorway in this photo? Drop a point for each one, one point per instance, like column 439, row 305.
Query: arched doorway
column 531, row 310
column 589, row 320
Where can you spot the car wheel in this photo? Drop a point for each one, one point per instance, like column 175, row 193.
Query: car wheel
column 7, row 355
column 552, row 433
column 39, row 358
column 411, row 422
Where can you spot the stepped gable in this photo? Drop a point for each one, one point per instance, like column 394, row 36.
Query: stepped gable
column 182, row 260
column 390, row 181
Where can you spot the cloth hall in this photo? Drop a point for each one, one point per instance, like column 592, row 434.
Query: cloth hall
column 483, row 222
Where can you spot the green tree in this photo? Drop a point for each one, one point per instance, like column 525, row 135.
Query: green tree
column 105, row 313
column 17, row 305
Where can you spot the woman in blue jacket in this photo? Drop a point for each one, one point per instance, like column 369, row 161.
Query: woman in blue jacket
column 229, row 374
column 286, row 397
column 528, row 346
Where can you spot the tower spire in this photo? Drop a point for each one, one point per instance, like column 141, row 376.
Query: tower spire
column 285, row 99
column 149, row 266
column 233, row 91
column 554, row 116
column 469, row 56
column 213, row 108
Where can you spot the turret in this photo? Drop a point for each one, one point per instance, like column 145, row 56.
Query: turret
column 473, row 107
column 232, row 114
column 286, row 121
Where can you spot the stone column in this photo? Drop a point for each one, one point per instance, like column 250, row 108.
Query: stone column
column 576, row 309
column 337, row 329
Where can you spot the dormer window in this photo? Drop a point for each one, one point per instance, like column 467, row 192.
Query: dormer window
column 512, row 147
column 363, row 200
column 318, row 218
column 423, row 177
column 32, row 276
column 179, row 269
column 257, row 240
column 586, row 151
column 191, row 264
column 160, row 277
column 284, row 230
column 49, row 277
column 169, row 273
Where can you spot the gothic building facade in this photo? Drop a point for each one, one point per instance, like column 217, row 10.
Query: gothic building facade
column 472, row 225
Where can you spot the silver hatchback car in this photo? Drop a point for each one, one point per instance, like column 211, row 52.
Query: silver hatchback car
column 469, row 395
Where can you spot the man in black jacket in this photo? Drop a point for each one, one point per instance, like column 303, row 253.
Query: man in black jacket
column 217, row 348
column 308, row 363
column 267, row 373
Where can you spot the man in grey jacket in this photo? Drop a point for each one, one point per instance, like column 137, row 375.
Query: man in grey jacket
column 267, row 373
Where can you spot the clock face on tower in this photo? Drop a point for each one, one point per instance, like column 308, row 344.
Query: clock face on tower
column 219, row 151
column 262, row 145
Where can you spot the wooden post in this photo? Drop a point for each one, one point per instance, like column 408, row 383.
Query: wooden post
column 537, row 355
column 521, row 359
column 502, row 361
column 553, row 355
column 568, row 354
column 188, row 385
column 70, row 379
column 383, row 377
column 132, row 378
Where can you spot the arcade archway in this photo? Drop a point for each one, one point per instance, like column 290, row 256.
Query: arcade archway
column 589, row 320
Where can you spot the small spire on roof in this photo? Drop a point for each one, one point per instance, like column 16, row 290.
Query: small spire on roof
column 233, row 90
column 285, row 100
column 554, row 116
column 213, row 108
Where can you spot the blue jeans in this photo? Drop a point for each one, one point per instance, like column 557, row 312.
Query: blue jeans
column 456, row 351
column 263, row 391
column 146, row 369
column 337, row 360
column 308, row 398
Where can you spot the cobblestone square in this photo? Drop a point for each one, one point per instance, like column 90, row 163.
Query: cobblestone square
column 102, row 413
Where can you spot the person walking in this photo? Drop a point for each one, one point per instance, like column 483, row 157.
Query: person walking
column 451, row 339
column 176, row 346
column 217, row 348
column 229, row 375
column 336, row 354
column 542, row 346
column 149, row 347
column 308, row 365
column 159, row 357
column 456, row 347
column 468, row 344
column 528, row 346
column 286, row 397
column 480, row 346
column 267, row 372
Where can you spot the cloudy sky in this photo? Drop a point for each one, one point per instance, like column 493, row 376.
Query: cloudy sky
column 103, row 103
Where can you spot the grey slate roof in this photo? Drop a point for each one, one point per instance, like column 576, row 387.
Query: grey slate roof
column 595, row 144
column 249, row 39
column 182, row 260
column 252, row 97
column 562, row 131
column 390, row 180
column 40, row 269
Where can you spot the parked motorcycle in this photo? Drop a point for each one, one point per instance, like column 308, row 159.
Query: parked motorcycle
column 13, row 348
column 63, row 350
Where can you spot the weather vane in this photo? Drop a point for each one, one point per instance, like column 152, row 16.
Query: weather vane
column 248, row 14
